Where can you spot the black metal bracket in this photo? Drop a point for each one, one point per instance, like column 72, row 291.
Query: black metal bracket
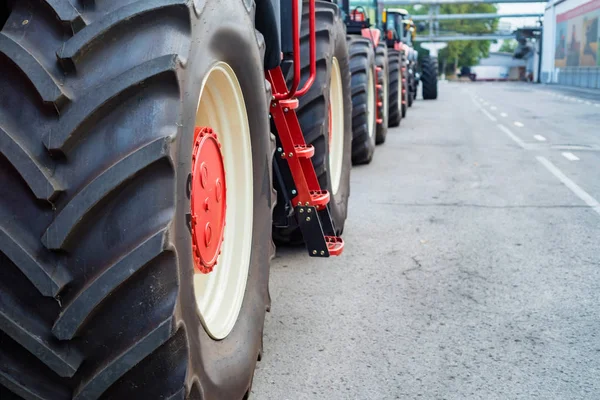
column 312, row 230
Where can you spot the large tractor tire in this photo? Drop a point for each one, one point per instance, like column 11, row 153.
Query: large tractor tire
column 411, row 83
column 395, row 88
column 364, row 98
column 381, row 61
column 429, row 80
column 325, row 114
column 106, row 184
column 405, row 83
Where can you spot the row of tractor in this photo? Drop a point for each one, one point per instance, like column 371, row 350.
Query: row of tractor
column 384, row 44
column 151, row 154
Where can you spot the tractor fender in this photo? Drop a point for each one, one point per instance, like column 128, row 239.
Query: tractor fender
column 268, row 24
column 373, row 34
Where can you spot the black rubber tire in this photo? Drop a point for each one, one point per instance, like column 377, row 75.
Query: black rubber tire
column 405, row 83
column 313, row 112
column 362, row 63
column 95, row 156
column 381, row 61
column 411, row 83
column 429, row 80
column 394, row 110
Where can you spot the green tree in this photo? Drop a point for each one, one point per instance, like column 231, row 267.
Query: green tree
column 464, row 53
column 509, row 46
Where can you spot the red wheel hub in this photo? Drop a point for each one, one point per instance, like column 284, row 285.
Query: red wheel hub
column 208, row 199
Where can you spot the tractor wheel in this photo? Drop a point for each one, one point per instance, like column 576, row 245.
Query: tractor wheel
column 395, row 88
column 364, row 99
column 405, row 83
column 381, row 61
column 411, row 84
column 429, row 67
column 325, row 115
column 130, row 169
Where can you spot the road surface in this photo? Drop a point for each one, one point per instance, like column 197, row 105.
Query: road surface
column 472, row 261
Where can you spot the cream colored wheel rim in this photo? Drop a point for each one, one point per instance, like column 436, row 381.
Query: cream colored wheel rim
column 371, row 105
column 219, row 294
column 336, row 126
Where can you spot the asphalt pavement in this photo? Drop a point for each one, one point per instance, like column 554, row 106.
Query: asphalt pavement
column 472, row 260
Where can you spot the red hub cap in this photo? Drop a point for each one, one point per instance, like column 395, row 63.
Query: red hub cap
column 208, row 195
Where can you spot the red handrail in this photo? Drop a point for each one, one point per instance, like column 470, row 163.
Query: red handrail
column 313, row 50
column 293, row 91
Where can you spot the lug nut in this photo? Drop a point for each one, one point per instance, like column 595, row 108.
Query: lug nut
column 314, row 252
column 307, row 219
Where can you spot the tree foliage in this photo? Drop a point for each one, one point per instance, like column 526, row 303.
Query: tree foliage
column 464, row 53
column 509, row 46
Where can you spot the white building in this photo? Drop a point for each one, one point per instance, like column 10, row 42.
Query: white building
column 500, row 66
column 571, row 51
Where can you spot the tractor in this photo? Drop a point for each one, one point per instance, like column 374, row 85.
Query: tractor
column 400, row 32
column 369, row 82
column 150, row 153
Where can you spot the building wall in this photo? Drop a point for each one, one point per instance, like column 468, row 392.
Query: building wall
column 571, row 43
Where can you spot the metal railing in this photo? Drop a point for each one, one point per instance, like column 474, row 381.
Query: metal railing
column 586, row 77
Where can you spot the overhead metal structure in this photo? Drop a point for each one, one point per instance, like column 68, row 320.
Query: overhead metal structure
column 452, row 38
column 441, row 17
column 437, row 2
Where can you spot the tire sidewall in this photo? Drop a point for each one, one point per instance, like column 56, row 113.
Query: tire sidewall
column 383, row 127
column 224, row 368
column 338, row 205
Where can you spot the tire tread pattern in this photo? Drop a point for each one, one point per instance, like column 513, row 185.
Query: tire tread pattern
column 395, row 82
column 37, row 361
column 362, row 62
column 429, row 67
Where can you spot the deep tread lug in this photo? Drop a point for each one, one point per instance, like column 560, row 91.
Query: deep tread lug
column 30, row 332
column 91, row 296
column 67, row 14
column 75, row 211
column 45, row 85
column 62, row 138
column 49, row 280
column 102, row 379
column 37, row 176
column 74, row 48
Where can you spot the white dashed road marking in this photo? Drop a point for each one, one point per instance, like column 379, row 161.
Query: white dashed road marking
column 579, row 192
column 512, row 136
column 540, row 138
column 483, row 110
column 520, row 125
column 570, row 156
column 504, row 115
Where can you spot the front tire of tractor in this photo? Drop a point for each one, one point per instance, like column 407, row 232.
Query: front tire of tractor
column 364, row 99
column 325, row 114
column 395, row 88
column 429, row 66
column 405, row 83
column 97, row 153
column 381, row 61
column 412, row 83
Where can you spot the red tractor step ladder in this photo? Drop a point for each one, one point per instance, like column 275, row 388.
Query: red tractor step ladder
column 310, row 201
